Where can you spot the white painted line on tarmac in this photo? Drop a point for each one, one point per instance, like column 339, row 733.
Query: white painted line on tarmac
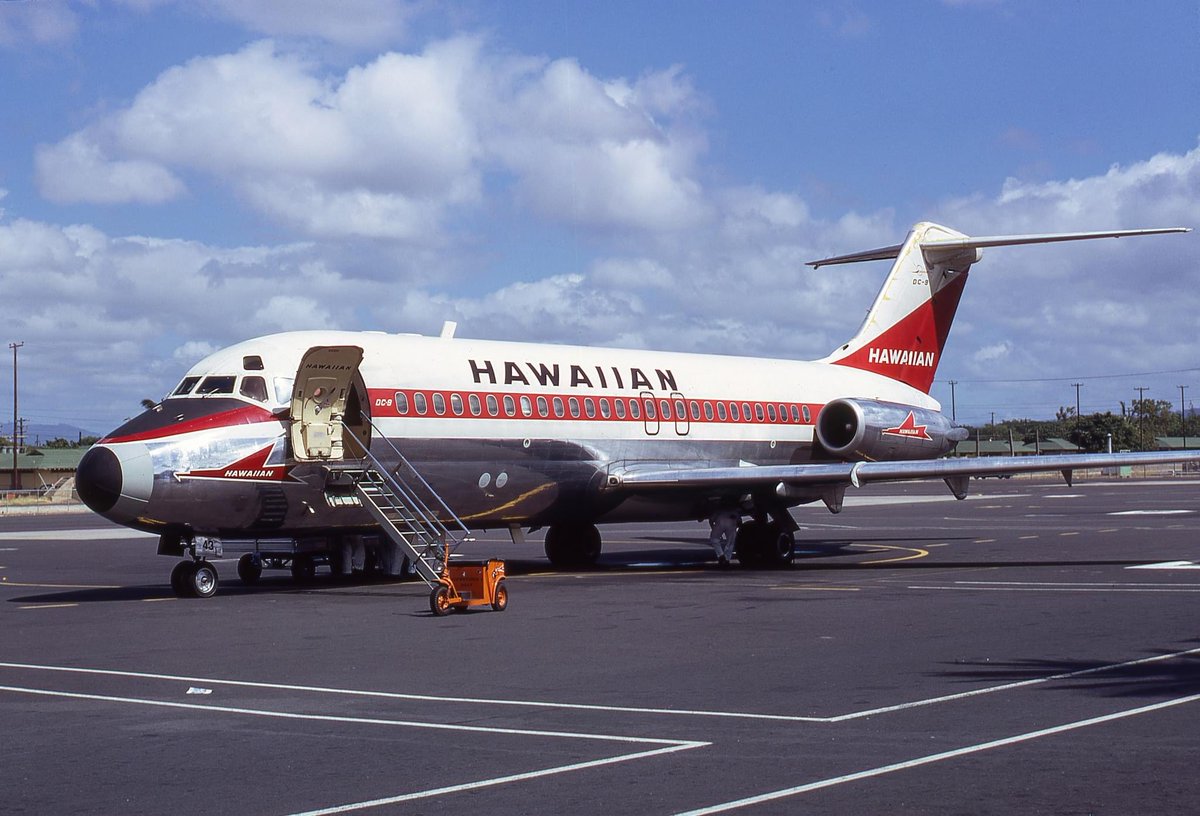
column 962, row 695
column 291, row 715
column 940, row 757
column 502, row 780
column 1151, row 512
column 90, row 534
column 1167, row 565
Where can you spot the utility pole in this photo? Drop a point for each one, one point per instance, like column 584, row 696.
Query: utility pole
column 1078, row 413
column 953, row 402
column 1183, row 415
column 16, row 474
column 1141, row 409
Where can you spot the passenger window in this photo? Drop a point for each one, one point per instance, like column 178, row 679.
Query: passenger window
column 635, row 409
column 252, row 363
column 758, row 411
column 721, row 415
column 665, row 408
column 783, row 413
column 807, row 415
column 619, row 407
column 771, row 411
column 217, row 385
column 605, row 411
column 510, row 406
column 695, row 409
column 255, row 388
column 650, row 413
column 543, row 407
column 419, row 403
column 401, row 403
column 746, row 411
column 574, row 403
column 526, row 406
column 185, row 387
column 493, row 406
column 456, row 404
column 795, row 413
column 733, row 412
column 680, row 410
column 558, row 407
column 476, row 409
column 589, row 407
column 708, row 412
column 439, row 404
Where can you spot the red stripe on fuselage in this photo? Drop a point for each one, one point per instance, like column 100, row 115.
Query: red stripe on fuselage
column 247, row 415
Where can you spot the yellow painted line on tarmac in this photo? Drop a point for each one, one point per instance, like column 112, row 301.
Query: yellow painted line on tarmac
column 48, row 606
column 917, row 552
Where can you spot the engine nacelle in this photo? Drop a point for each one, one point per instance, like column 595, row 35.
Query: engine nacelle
column 868, row 429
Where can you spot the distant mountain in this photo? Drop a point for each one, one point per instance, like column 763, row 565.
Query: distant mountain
column 39, row 433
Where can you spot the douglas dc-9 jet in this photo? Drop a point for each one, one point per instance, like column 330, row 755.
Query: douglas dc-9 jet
column 358, row 448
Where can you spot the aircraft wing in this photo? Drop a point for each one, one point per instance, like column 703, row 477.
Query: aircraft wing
column 659, row 476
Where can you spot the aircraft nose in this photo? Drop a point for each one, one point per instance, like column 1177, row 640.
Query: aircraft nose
column 98, row 479
column 115, row 481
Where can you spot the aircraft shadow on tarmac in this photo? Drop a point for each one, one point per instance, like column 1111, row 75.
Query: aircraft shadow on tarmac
column 1174, row 677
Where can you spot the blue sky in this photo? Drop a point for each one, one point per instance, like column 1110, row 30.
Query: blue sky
column 180, row 176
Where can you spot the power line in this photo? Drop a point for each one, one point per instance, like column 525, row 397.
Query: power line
column 1092, row 377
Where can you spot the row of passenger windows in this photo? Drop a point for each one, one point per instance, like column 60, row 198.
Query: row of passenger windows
column 669, row 410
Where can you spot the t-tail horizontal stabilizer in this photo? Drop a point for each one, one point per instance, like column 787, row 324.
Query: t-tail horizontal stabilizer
column 905, row 330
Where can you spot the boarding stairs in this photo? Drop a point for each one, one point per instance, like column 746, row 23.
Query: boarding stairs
column 409, row 512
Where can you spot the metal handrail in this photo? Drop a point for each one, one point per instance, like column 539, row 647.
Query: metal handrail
column 403, row 460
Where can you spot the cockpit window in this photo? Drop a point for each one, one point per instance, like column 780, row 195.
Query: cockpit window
column 255, row 388
column 217, row 385
column 252, row 363
column 185, row 387
column 283, row 389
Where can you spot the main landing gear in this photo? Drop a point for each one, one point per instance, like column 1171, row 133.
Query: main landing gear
column 573, row 546
column 762, row 543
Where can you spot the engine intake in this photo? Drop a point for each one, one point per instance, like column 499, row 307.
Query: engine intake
column 869, row 429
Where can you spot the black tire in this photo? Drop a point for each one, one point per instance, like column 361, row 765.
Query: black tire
column 779, row 546
column 749, row 544
column 500, row 596
column 303, row 568
column 249, row 568
column 573, row 546
column 203, row 580
column 439, row 600
column 180, row 576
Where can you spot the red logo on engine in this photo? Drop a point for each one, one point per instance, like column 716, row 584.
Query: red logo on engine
column 909, row 429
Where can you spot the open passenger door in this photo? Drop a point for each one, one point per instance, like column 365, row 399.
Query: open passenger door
column 328, row 405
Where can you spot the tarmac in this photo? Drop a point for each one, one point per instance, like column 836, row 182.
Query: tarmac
column 1033, row 649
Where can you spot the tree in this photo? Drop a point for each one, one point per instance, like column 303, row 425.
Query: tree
column 59, row 442
column 1091, row 432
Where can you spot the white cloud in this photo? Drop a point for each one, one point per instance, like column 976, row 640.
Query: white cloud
column 46, row 22
column 75, row 170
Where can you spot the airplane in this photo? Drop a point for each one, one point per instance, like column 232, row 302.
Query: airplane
column 346, row 448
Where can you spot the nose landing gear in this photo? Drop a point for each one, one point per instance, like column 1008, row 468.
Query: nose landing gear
column 194, row 579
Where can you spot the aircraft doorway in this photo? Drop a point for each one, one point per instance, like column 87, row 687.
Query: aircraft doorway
column 329, row 406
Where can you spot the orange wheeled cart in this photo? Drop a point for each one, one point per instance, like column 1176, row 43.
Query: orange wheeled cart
column 465, row 584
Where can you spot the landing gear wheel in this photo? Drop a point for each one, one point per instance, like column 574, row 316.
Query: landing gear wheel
column 778, row 546
column 202, row 581
column 750, row 543
column 303, row 568
column 180, row 576
column 500, row 597
column 572, row 546
column 249, row 568
column 439, row 600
